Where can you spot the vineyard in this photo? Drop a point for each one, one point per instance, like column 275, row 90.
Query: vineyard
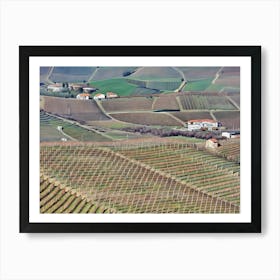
column 147, row 118
column 235, row 98
column 229, row 149
column 81, row 110
column 205, row 101
column 212, row 175
column 137, row 178
column 192, row 115
column 230, row 77
column 56, row 198
column 196, row 73
column 166, row 102
column 128, row 104
column 229, row 119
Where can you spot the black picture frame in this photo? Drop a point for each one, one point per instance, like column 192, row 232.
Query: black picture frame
column 25, row 52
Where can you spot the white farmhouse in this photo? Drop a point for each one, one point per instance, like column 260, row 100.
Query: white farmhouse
column 202, row 124
column 99, row 96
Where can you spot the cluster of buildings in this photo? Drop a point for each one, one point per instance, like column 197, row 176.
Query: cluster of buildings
column 211, row 125
column 98, row 96
column 84, row 91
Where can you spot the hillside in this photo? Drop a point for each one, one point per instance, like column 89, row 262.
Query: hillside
column 142, row 179
column 71, row 74
column 151, row 73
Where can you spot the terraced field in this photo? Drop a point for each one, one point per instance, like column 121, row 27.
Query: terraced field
column 229, row 149
column 103, row 73
column 205, row 101
column 207, row 173
column 235, row 98
column 56, row 198
column 80, row 110
column 147, row 118
column 71, row 74
column 128, row 104
column 166, row 178
column 166, row 102
column 192, row 115
column 49, row 130
column 197, row 73
column 229, row 119
column 230, row 77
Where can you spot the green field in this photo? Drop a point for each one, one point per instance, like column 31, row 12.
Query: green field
column 117, row 85
column 199, row 85
column 126, row 87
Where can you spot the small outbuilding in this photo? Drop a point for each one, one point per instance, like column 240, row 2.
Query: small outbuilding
column 212, row 143
column 111, row 95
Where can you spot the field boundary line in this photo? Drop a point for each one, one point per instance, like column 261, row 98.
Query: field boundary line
column 175, row 118
column 217, row 75
column 154, row 102
column 49, row 75
column 232, row 102
column 212, row 115
column 60, row 129
column 184, row 82
column 93, row 74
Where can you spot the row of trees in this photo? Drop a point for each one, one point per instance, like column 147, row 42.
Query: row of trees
column 163, row 132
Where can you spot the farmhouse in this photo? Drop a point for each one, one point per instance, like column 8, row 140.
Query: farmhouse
column 231, row 134
column 99, row 96
column 83, row 96
column 202, row 124
column 111, row 95
column 56, row 88
column 212, row 143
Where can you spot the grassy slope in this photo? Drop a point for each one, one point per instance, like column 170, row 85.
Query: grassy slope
column 199, row 85
column 117, row 85
column 49, row 132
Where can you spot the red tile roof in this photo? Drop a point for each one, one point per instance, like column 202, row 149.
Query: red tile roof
column 214, row 140
column 203, row 120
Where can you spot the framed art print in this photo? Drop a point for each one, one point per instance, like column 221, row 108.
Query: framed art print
column 140, row 138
